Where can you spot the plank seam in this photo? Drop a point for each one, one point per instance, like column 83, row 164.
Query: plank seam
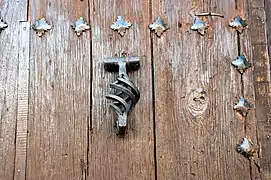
column 153, row 98
column 89, row 121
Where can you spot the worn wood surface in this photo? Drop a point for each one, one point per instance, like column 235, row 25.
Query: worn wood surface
column 22, row 98
column 112, row 157
column 59, row 98
column 12, row 11
column 197, row 136
column 56, row 123
column 261, row 77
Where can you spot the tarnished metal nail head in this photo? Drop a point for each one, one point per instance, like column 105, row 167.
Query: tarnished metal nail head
column 41, row 26
column 3, row 24
column 238, row 23
column 124, row 93
column 242, row 106
column 121, row 25
column 199, row 25
column 246, row 148
column 158, row 26
column 80, row 26
column 241, row 63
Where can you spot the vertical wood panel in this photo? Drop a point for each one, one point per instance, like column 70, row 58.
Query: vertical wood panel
column 22, row 109
column 202, row 146
column 256, row 44
column 250, row 122
column 112, row 157
column 59, row 93
column 12, row 11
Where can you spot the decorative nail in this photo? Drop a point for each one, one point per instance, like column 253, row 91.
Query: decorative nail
column 158, row 26
column 121, row 25
column 199, row 25
column 3, row 24
column 246, row 148
column 41, row 26
column 241, row 64
column 80, row 26
column 238, row 23
column 242, row 106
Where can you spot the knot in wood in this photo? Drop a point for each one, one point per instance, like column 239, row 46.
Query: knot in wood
column 197, row 102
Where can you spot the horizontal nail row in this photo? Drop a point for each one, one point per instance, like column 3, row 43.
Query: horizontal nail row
column 121, row 25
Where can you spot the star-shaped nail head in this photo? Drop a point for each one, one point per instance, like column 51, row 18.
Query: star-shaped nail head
column 3, row 24
column 121, row 25
column 199, row 25
column 158, row 26
column 241, row 64
column 80, row 26
column 246, row 148
column 242, row 106
column 238, row 23
column 41, row 26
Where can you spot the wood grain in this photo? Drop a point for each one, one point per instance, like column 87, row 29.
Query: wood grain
column 257, row 48
column 12, row 11
column 22, row 109
column 191, row 143
column 250, row 121
column 112, row 157
column 59, row 108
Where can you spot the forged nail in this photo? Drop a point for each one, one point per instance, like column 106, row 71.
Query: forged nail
column 242, row 106
column 3, row 24
column 246, row 148
column 158, row 26
column 80, row 26
column 199, row 25
column 121, row 25
column 241, row 63
column 238, row 23
column 41, row 26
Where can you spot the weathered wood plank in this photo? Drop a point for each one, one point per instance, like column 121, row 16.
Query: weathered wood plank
column 22, row 109
column 12, row 11
column 268, row 26
column 250, row 121
column 59, row 93
column 130, row 157
column 255, row 43
column 197, row 136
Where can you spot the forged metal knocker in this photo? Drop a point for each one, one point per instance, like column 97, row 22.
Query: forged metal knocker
column 3, row 24
column 124, row 93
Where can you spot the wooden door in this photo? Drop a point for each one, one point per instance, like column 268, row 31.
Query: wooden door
column 55, row 120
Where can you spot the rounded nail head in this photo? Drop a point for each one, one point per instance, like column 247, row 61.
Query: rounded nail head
column 158, row 26
column 80, row 26
column 121, row 25
column 41, row 26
